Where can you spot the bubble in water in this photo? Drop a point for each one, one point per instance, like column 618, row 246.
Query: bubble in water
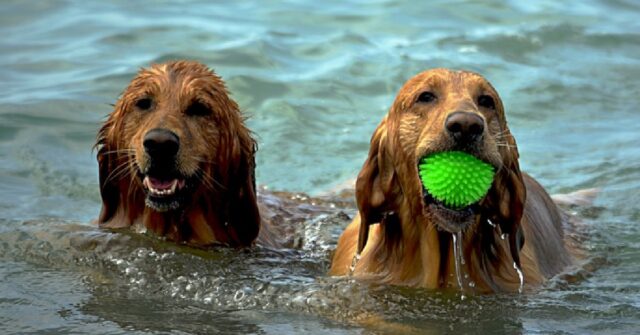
column 239, row 295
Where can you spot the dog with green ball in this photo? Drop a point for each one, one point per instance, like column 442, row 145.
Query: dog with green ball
column 442, row 202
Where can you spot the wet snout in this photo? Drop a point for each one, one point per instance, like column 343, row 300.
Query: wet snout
column 465, row 128
column 161, row 178
column 161, row 145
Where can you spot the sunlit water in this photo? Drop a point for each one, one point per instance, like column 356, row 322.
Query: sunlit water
column 316, row 78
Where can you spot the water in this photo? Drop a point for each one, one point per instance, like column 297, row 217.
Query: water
column 458, row 257
column 316, row 77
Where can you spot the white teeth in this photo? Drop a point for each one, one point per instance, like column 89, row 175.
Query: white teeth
column 168, row 191
column 173, row 187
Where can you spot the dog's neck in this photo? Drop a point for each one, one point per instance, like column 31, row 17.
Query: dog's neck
column 204, row 220
column 412, row 251
column 406, row 251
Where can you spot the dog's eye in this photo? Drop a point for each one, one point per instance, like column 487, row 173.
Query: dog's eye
column 486, row 101
column 144, row 103
column 426, row 97
column 198, row 109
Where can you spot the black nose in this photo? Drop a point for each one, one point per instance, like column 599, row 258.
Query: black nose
column 464, row 126
column 161, row 143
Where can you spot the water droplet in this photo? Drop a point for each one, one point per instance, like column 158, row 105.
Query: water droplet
column 458, row 258
column 354, row 262
column 520, row 276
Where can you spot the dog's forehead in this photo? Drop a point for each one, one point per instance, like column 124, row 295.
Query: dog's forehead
column 165, row 74
column 184, row 78
column 444, row 78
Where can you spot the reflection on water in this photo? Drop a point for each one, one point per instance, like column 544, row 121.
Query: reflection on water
column 316, row 79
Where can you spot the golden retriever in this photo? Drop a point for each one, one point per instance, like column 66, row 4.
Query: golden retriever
column 176, row 158
column 403, row 236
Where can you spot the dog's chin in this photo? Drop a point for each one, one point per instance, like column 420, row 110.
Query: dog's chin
column 163, row 194
column 447, row 219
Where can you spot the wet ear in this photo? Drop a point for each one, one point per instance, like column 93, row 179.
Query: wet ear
column 244, row 216
column 508, row 195
column 106, row 165
column 374, row 184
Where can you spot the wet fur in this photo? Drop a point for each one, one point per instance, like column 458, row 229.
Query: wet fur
column 404, row 242
column 218, row 149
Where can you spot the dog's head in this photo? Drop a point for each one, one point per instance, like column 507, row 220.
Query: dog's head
column 435, row 111
column 174, row 141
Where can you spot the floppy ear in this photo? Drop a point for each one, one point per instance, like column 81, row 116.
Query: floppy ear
column 507, row 196
column 106, row 168
column 244, row 216
column 243, row 210
column 374, row 184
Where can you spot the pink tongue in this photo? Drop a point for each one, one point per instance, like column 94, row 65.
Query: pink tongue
column 160, row 184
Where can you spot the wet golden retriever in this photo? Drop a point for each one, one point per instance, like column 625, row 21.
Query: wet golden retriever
column 403, row 236
column 176, row 158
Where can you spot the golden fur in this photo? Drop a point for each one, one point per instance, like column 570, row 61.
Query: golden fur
column 403, row 240
column 214, row 166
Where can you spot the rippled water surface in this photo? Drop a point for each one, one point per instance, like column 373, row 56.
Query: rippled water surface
column 316, row 78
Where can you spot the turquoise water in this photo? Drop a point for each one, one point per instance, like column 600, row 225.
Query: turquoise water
column 316, row 79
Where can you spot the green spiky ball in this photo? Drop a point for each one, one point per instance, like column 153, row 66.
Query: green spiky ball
column 455, row 178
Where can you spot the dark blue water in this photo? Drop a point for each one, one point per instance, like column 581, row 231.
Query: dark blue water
column 316, row 79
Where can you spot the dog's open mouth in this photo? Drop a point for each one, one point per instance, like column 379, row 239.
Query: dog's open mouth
column 448, row 219
column 453, row 185
column 164, row 193
column 162, row 188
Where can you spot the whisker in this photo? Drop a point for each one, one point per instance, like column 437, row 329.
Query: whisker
column 209, row 181
column 120, row 171
column 124, row 172
column 119, row 151
column 503, row 136
column 200, row 160
column 214, row 183
column 131, row 180
column 207, row 184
